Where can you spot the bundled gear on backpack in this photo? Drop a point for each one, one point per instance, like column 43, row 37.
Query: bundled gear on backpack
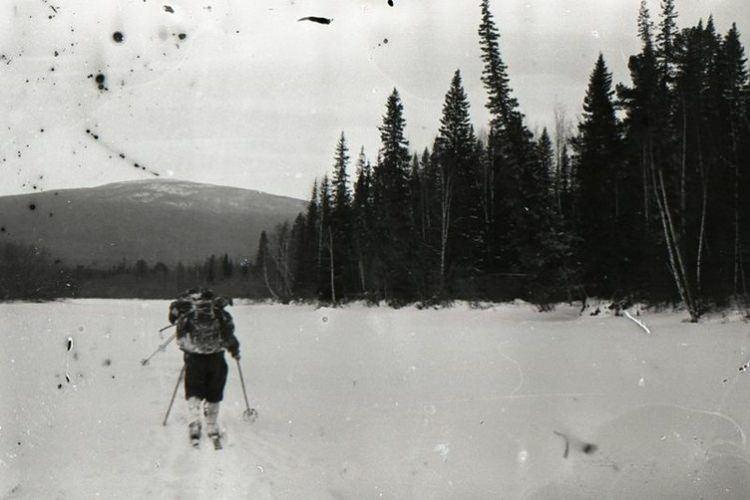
column 203, row 326
column 204, row 331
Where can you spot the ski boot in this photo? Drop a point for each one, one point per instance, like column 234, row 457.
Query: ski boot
column 194, row 427
column 211, row 413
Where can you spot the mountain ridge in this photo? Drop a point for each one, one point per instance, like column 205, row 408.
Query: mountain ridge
column 158, row 220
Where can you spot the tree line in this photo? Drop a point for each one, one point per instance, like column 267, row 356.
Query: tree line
column 28, row 272
column 646, row 199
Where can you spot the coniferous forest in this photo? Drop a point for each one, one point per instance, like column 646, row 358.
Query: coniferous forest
column 647, row 199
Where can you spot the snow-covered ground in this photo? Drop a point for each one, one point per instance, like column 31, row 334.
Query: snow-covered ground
column 364, row 402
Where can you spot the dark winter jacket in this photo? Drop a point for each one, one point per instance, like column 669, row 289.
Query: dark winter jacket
column 203, row 326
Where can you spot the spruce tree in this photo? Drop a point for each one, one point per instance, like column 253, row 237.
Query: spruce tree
column 307, row 269
column 395, row 245
column 458, row 188
column 518, row 213
column 646, row 122
column 665, row 38
column 326, row 256
column 546, row 160
column 341, row 221
column 597, row 147
column 362, row 217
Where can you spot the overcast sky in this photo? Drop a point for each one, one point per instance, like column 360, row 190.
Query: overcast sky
column 252, row 98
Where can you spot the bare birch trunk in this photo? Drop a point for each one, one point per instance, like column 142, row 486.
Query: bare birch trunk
column 361, row 265
column 673, row 250
column 701, row 237
column 702, row 230
column 683, row 171
column 694, row 315
column 445, row 209
column 330, row 252
column 644, row 171
column 737, row 242
column 268, row 284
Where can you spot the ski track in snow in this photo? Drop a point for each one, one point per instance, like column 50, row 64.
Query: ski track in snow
column 517, row 365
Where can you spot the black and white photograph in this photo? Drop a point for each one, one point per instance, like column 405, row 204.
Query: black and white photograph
column 374, row 249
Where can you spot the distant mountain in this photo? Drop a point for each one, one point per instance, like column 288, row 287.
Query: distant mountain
column 156, row 220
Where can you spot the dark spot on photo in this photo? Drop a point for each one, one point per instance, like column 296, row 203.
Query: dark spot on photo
column 69, row 343
column 59, row 386
column 169, row 9
column 182, row 36
column 385, row 40
column 117, row 36
column 2, row 229
column 67, row 378
column 566, row 451
column 107, row 362
column 32, row 206
column 100, row 78
column 122, row 156
column 315, row 19
column 390, row 2
column 589, row 448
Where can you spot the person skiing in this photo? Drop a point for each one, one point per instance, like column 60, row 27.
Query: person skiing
column 204, row 331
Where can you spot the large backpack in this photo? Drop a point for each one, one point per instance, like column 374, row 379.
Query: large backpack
column 200, row 323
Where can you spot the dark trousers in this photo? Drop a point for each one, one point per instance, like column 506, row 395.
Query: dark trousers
column 205, row 376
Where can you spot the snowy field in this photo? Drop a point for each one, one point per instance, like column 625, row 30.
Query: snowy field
column 364, row 402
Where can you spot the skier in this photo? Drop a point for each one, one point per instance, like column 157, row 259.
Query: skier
column 204, row 331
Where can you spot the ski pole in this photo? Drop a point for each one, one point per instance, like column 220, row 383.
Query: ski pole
column 171, row 401
column 165, row 328
column 249, row 413
column 160, row 348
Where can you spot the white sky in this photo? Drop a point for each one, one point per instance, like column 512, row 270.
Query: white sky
column 255, row 99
